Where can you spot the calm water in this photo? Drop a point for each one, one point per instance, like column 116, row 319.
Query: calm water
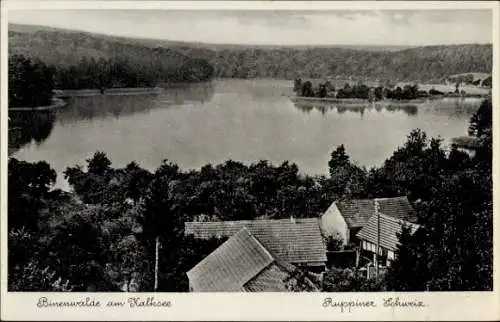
column 227, row 119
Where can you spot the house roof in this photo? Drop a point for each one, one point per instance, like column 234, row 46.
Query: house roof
column 389, row 228
column 272, row 279
column 299, row 242
column 279, row 278
column 230, row 266
column 357, row 212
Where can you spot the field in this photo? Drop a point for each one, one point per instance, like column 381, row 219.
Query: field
column 469, row 89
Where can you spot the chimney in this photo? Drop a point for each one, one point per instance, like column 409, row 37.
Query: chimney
column 292, row 219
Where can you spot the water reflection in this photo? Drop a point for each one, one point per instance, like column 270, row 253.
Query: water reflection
column 28, row 126
column 408, row 109
column 116, row 106
column 103, row 107
column 187, row 93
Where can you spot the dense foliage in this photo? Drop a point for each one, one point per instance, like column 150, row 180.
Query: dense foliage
column 453, row 250
column 421, row 63
column 430, row 63
column 349, row 280
column 122, row 72
column 102, row 236
column 362, row 91
column 30, row 82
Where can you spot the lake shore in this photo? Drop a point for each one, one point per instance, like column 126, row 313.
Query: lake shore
column 56, row 103
column 58, row 100
column 70, row 93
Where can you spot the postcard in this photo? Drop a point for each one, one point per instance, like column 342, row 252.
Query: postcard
column 249, row 160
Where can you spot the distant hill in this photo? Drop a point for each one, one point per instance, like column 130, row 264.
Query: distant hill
column 429, row 63
column 433, row 63
column 63, row 47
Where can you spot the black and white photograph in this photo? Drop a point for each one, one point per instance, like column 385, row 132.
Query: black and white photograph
column 191, row 150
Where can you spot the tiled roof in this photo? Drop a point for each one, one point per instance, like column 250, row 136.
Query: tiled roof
column 357, row 212
column 389, row 228
column 272, row 279
column 398, row 207
column 299, row 242
column 280, row 277
column 231, row 265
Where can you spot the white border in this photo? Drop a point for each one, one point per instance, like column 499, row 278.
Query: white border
column 277, row 306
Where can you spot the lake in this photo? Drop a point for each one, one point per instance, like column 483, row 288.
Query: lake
column 243, row 120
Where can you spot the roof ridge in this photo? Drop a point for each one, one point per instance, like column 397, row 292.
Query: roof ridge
column 376, row 198
column 298, row 220
column 394, row 219
column 258, row 242
column 268, row 253
column 391, row 198
column 244, row 235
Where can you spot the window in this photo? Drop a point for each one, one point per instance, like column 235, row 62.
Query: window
column 390, row 255
column 365, row 246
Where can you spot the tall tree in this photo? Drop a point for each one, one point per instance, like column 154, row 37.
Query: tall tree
column 30, row 82
column 453, row 249
column 29, row 185
column 482, row 120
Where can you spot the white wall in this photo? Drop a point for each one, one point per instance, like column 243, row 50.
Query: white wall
column 332, row 223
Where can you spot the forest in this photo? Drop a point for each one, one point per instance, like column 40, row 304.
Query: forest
column 31, row 81
column 432, row 64
column 420, row 64
column 101, row 235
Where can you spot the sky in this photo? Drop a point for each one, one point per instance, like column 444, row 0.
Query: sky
column 266, row 27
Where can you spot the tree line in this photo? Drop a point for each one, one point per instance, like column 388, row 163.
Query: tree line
column 31, row 81
column 101, row 236
column 362, row 91
column 120, row 72
column 432, row 64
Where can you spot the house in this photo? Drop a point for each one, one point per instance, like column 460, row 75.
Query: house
column 243, row 264
column 293, row 241
column 382, row 230
column 344, row 219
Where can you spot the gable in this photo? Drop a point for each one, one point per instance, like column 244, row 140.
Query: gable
column 357, row 212
column 390, row 227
